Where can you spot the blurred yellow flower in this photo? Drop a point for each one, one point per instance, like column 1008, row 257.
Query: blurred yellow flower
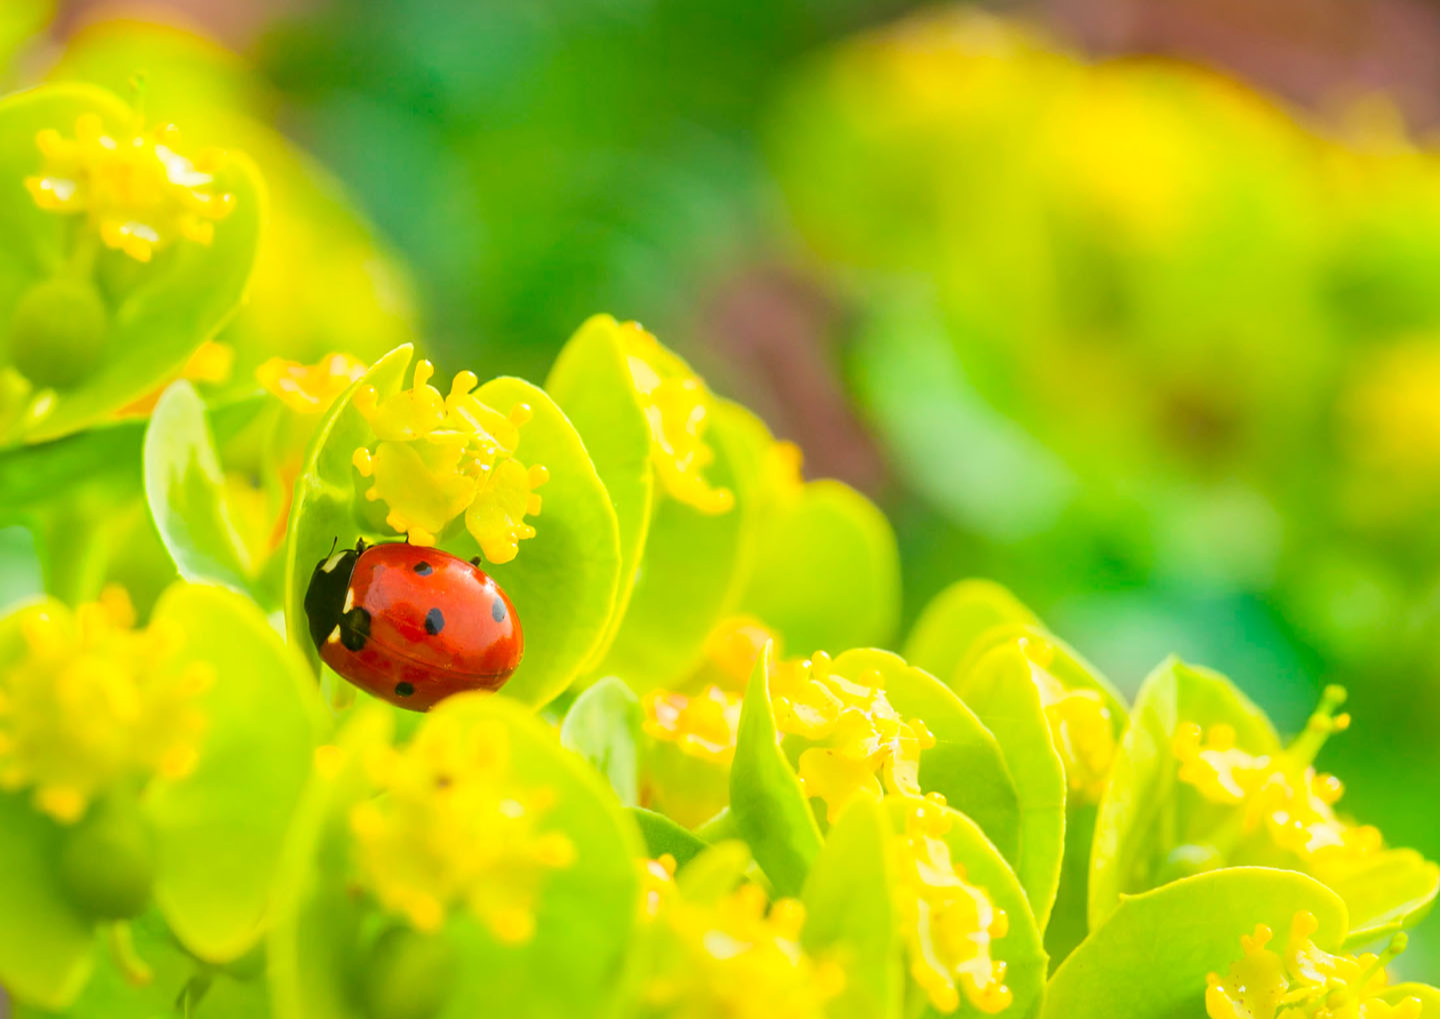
column 138, row 191
column 451, row 825
column 1305, row 982
column 733, row 958
column 91, row 702
column 677, row 407
column 438, row 457
column 309, row 388
column 861, row 738
column 1080, row 724
column 1281, row 793
column 949, row 925
column 703, row 725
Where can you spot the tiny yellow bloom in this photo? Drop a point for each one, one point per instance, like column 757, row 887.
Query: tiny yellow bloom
column 950, row 926
column 451, row 825
column 859, row 737
column 309, row 388
column 735, row 958
column 1281, row 794
column 677, row 407
column 1080, row 724
column 139, row 193
column 92, row 702
column 704, row 725
column 439, row 457
column 211, row 363
column 1305, row 982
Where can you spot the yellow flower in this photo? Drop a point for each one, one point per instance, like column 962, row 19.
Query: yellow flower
column 451, row 825
column 1305, row 982
column 677, row 406
column 211, row 362
column 440, row 457
column 1282, row 793
column 861, row 738
column 732, row 958
column 309, row 388
column 138, row 192
column 704, row 725
column 92, row 701
column 950, row 925
column 1080, row 724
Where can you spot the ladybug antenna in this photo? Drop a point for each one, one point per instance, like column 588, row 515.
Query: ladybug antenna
column 333, row 543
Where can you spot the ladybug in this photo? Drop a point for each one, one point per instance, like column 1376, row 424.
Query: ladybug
column 412, row 625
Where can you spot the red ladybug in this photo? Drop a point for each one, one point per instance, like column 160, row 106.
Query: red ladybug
column 412, row 625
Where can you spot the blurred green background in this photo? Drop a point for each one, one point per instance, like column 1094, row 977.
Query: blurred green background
column 1129, row 304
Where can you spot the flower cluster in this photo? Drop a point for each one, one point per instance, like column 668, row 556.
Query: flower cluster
column 677, row 406
column 737, row 957
column 92, row 702
column 862, row 738
column 442, row 456
column 1080, row 724
column 138, row 191
column 449, row 824
column 1305, row 982
column 705, row 724
column 309, row 388
column 949, row 925
column 1282, row 792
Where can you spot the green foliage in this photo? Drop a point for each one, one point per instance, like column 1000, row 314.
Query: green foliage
column 666, row 806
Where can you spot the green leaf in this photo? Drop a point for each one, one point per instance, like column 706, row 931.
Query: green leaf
column 966, row 765
column 770, row 811
column 1150, row 958
column 715, row 872
column 585, row 913
column 850, row 913
column 827, row 571
column 591, row 382
column 46, row 944
column 693, row 565
column 220, row 829
column 323, row 510
column 158, row 312
column 185, row 489
column 603, row 726
column 663, row 835
column 111, row 994
column 565, row 579
column 1389, row 891
column 983, row 866
column 955, row 619
column 1137, row 823
column 1003, row 694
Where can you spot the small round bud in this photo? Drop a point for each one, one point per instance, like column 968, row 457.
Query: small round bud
column 407, row 975
column 58, row 331
column 107, row 862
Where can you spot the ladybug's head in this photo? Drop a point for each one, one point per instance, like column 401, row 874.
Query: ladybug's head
column 325, row 597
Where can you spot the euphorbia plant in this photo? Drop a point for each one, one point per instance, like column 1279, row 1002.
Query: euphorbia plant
column 711, row 787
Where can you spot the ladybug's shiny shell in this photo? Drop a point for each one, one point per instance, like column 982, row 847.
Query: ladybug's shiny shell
column 412, row 625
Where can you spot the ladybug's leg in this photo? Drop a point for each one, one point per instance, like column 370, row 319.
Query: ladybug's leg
column 360, row 546
column 475, row 561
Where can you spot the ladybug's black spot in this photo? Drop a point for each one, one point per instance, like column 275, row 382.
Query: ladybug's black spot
column 497, row 609
column 423, row 568
column 434, row 622
column 355, row 629
column 404, row 689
